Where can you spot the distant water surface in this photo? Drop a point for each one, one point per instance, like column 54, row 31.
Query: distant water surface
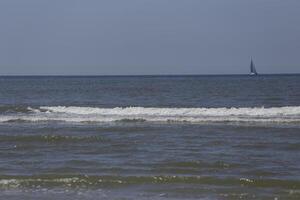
column 150, row 137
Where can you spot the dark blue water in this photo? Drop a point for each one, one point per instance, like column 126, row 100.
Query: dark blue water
column 150, row 137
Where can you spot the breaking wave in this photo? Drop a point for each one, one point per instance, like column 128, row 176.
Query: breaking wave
column 14, row 109
column 141, row 114
column 94, row 181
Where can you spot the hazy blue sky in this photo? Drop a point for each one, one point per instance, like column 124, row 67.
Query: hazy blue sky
column 149, row 36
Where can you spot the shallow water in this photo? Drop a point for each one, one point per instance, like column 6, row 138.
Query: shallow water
column 150, row 137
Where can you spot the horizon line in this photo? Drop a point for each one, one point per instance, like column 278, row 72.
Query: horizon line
column 124, row 75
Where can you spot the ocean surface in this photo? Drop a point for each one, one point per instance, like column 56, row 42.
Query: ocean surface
column 150, row 137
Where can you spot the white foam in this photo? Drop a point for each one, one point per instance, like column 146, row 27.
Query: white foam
column 94, row 114
column 275, row 111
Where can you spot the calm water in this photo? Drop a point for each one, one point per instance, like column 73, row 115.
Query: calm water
column 179, row 137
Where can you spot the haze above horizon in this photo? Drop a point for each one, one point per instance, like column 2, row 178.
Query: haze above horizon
column 148, row 37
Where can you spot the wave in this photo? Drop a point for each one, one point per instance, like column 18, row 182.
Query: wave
column 15, row 109
column 141, row 114
column 49, row 138
column 94, row 181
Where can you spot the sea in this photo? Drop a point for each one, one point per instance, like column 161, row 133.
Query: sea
column 150, row 137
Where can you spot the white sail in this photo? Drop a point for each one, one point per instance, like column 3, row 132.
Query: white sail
column 252, row 68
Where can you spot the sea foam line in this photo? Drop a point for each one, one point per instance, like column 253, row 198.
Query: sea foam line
column 96, row 114
column 188, row 112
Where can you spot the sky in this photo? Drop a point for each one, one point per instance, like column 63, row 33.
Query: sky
column 137, row 37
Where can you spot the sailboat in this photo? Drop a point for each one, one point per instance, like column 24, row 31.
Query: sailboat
column 253, row 71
